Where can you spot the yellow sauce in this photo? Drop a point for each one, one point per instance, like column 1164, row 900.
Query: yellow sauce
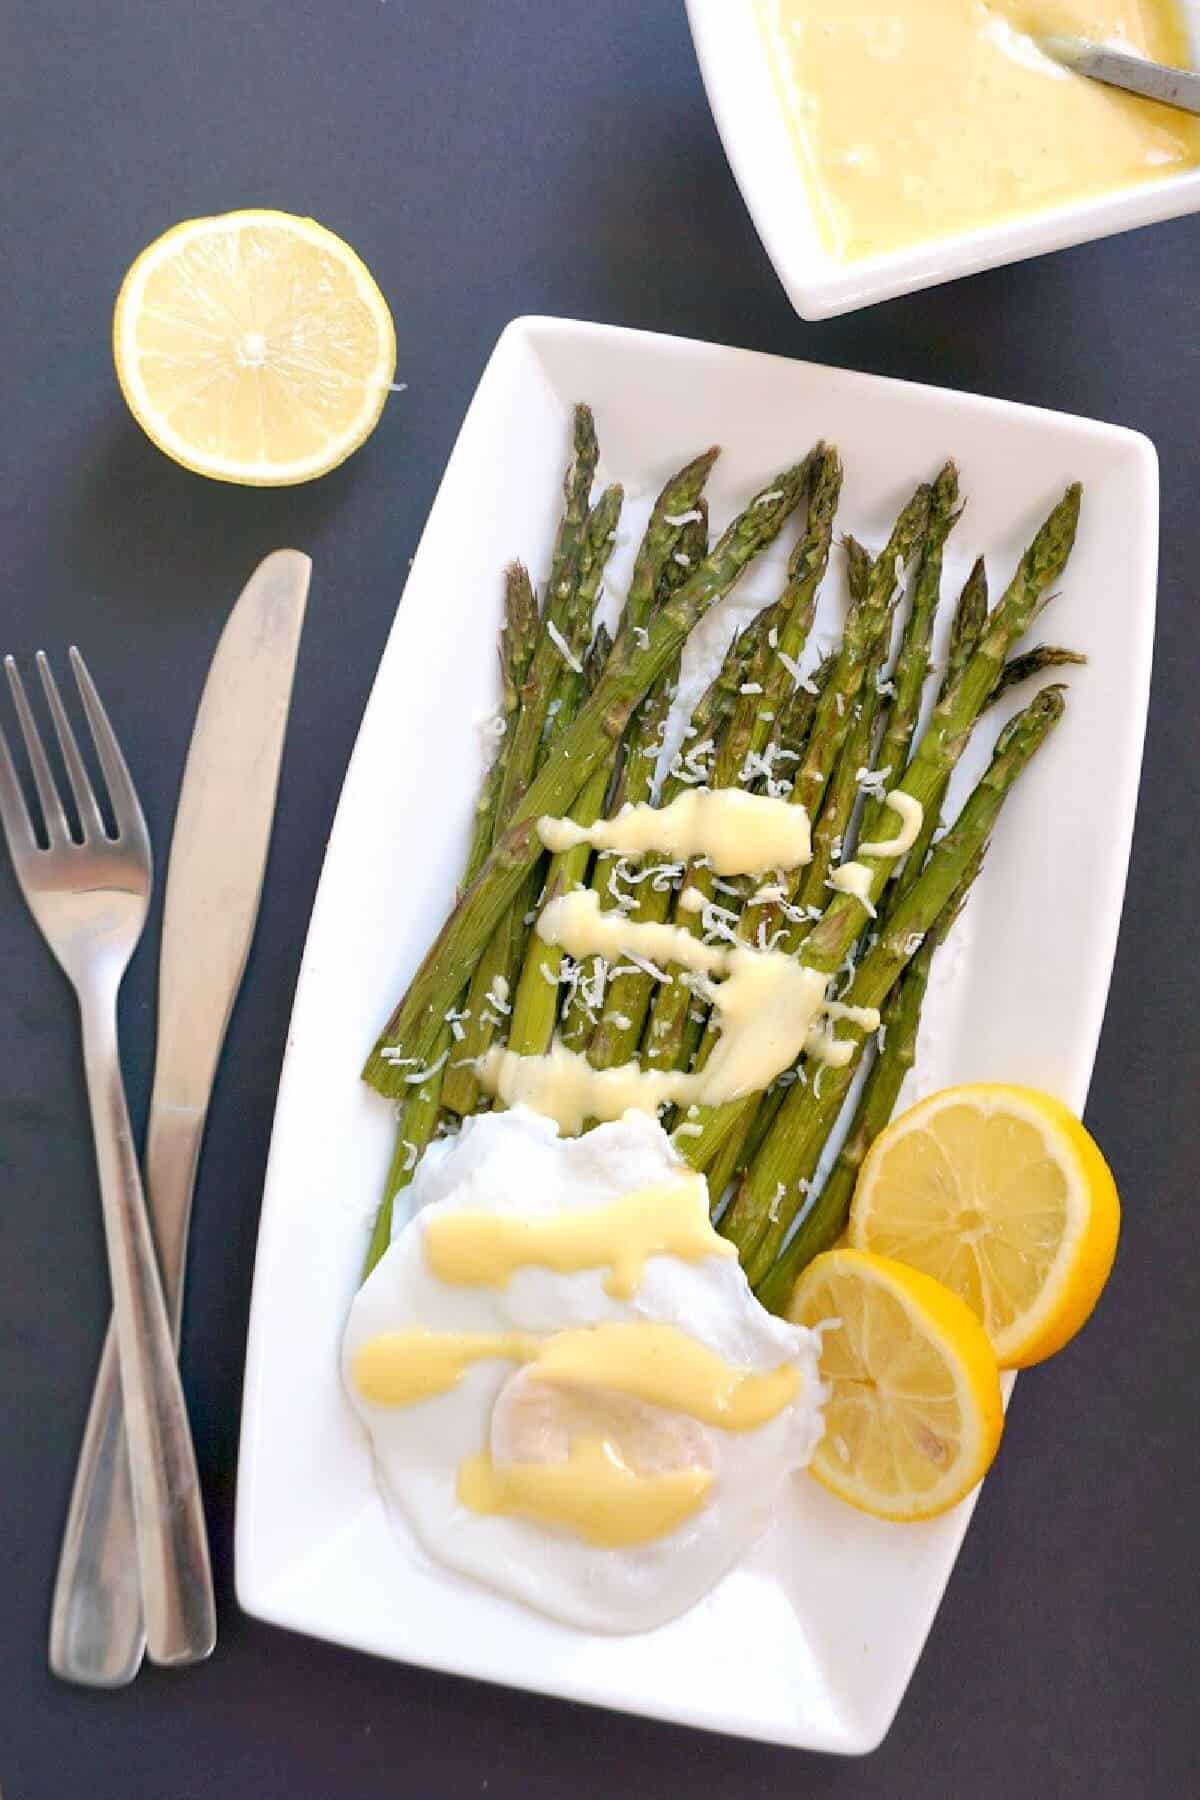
column 402, row 1368
column 483, row 1249
column 665, row 1367
column 920, row 119
column 911, row 815
column 580, row 925
column 740, row 833
column 658, row 1364
column 594, row 1494
column 854, row 878
column 765, row 1006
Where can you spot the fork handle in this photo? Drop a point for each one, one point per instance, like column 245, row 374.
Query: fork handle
column 97, row 1637
column 172, row 1545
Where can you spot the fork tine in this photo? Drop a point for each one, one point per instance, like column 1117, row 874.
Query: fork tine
column 52, row 809
column 14, row 814
column 77, row 775
column 127, row 808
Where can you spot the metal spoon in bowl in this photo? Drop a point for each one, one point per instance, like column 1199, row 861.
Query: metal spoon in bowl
column 1153, row 81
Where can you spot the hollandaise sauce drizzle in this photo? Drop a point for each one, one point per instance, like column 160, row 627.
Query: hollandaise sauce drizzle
column 484, row 1249
column 594, row 1493
column 739, row 833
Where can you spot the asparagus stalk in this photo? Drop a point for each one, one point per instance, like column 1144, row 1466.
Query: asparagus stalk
column 764, row 691
column 873, row 590
column 619, row 1031
column 673, row 1000
column 967, row 625
column 897, row 1054
column 635, row 777
column 786, row 629
column 418, row 1119
column 829, row 836
column 560, row 624
column 830, row 833
column 966, row 629
column 1029, row 663
column 773, row 1189
column 560, row 610
column 671, row 532
column 673, row 1033
column 418, row 1122
column 535, row 1004
column 586, row 992
column 832, row 938
column 833, row 823
column 518, row 636
column 833, row 826
column 496, row 972
column 644, row 901
column 874, row 587
column 632, row 670
column 793, row 721
column 866, row 622
column 912, row 662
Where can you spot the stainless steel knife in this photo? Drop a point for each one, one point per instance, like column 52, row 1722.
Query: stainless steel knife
column 1153, row 81
column 214, row 879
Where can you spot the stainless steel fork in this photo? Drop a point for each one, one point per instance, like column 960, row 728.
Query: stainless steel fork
column 90, row 899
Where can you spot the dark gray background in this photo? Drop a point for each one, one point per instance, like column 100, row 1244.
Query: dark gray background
column 487, row 160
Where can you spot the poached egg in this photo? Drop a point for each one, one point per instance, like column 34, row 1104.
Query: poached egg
column 572, row 1395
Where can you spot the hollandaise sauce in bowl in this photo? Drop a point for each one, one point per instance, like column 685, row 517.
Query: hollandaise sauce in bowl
column 884, row 145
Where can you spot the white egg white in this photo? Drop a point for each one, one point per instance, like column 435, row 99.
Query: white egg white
column 515, row 1162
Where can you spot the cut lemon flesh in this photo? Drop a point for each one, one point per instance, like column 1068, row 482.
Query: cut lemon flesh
column 253, row 347
column 914, row 1413
column 1001, row 1194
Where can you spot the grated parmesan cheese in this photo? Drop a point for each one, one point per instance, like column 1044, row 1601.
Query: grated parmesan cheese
column 430, row 1070
column 564, row 649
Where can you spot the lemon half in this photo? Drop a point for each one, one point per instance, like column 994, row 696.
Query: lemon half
column 253, row 347
column 914, row 1414
column 1000, row 1193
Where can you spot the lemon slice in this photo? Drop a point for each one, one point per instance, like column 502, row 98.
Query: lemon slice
column 913, row 1416
column 1000, row 1193
column 254, row 347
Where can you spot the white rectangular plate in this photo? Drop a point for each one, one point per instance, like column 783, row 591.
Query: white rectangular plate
column 812, row 1641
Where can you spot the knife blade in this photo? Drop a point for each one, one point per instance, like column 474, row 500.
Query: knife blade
column 214, row 881
column 1153, row 81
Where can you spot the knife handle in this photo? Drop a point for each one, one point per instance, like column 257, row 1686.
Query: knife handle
column 97, row 1634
